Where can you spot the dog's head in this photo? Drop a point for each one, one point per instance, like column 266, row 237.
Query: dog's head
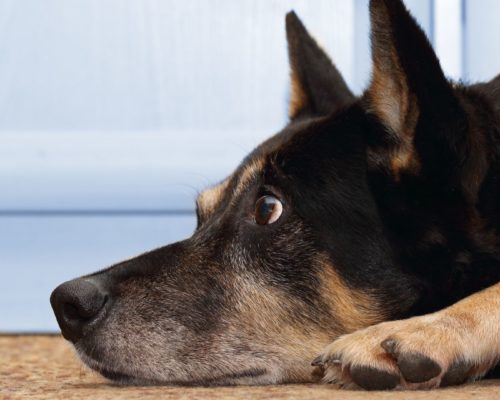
column 297, row 246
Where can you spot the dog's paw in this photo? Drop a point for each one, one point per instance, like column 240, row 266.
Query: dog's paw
column 420, row 353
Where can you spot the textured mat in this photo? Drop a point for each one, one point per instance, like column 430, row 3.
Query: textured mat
column 34, row 367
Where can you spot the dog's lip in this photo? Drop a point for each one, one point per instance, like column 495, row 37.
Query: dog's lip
column 222, row 380
column 127, row 379
column 228, row 379
column 115, row 376
column 100, row 367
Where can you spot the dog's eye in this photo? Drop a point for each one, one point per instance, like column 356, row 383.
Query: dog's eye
column 268, row 209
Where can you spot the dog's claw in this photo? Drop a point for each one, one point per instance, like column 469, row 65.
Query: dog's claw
column 334, row 361
column 389, row 345
column 321, row 361
column 318, row 362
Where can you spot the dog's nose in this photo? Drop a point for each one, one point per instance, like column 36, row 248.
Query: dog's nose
column 77, row 304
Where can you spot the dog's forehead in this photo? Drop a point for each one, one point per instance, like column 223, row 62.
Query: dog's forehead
column 251, row 168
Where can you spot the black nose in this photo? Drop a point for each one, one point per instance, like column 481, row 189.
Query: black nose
column 77, row 304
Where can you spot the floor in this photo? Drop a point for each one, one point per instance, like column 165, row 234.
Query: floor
column 46, row 367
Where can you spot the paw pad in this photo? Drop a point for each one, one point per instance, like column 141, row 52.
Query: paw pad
column 415, row 367
column 374, row 379
column 456, row 375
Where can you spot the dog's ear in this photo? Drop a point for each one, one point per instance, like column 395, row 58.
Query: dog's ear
column 409, row 92
column 317, row 86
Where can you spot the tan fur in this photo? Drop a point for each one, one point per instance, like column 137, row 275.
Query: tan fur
column 249, row 173
column 388, row 92
column 262, row 315
column 353, row 309
column 467, row 331
column 298, row 98
column 209, row 199
column 386, row 95
column 404, row 160
column 390, row 98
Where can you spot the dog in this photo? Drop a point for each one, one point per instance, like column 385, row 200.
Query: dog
column 364, row 239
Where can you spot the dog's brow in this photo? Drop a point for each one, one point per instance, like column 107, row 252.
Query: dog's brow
column 248, row 173
column 209, row 198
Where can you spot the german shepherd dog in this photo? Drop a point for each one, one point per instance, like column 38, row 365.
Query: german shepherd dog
column 367, row 231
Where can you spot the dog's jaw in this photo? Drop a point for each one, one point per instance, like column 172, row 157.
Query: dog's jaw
column 265, row 375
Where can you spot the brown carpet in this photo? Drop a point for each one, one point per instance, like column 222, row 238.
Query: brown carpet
column 46, row 367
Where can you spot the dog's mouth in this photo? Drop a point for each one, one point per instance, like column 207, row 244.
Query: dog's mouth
column 111, row 373
column 116, row 376
column 245, row 377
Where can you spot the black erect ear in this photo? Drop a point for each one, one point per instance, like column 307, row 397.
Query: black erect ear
column 317, row 86
column 410, row 94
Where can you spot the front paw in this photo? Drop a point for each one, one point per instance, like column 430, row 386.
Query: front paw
column 419, row 353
